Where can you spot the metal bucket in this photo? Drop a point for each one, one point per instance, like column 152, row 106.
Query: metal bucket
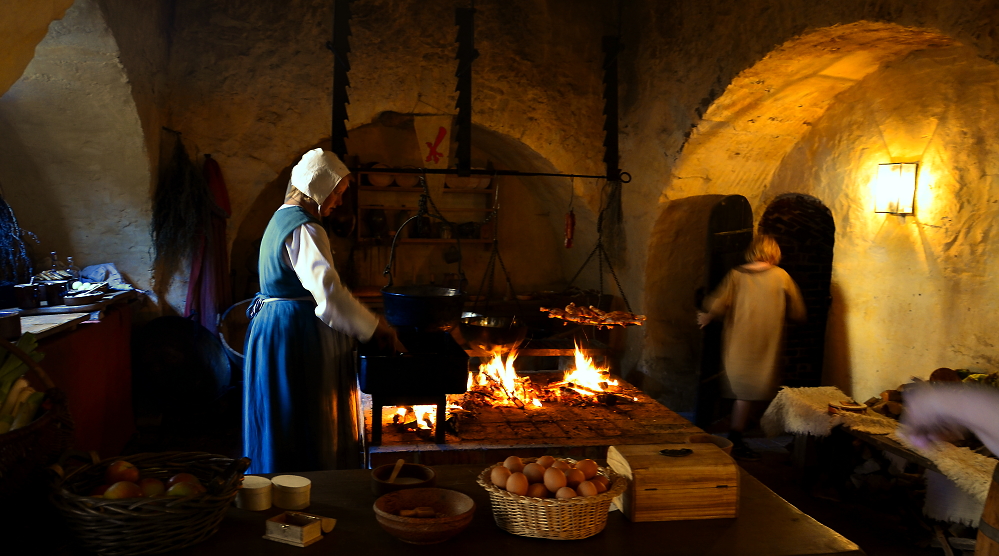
column 423, row 308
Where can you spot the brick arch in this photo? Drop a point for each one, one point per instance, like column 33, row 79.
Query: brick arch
column 805, row 230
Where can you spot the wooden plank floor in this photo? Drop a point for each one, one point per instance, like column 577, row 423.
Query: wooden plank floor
column 566, row 430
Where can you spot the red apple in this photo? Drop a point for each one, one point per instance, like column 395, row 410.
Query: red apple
column 99, row 491
column 184, row 488
column 151, row 487
column 123, row 489
column 182, row 478
column 121, row 470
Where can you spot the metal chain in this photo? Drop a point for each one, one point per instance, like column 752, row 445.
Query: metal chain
column 601, row 257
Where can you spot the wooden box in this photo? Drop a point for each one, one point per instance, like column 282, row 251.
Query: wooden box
column 702, row 485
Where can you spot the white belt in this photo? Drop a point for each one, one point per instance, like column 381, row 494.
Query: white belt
column 307, row 298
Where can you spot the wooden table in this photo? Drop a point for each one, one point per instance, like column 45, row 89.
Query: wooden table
column 767, row 526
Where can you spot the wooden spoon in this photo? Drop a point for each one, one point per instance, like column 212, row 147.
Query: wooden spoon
column 395, row 470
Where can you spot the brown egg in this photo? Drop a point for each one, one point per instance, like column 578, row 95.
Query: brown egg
column 559, row 464
column 601, row 482
column 588, row 467
column 573, row 477
column 499, row 476
column 586, row 488
column 565, row 493
column 514, row 464
column 538, row 490
column 535, row 472
column 554, row 479
column 546, row 461
column 517, row 484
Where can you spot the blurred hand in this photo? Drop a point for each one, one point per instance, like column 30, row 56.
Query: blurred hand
column 703, row 319
column 386, row 337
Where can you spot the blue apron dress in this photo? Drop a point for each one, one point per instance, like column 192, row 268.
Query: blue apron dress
column 300, row 399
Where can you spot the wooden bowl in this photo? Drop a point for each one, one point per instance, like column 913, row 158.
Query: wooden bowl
column 412, row 475
column 456, row 509
column 85, row 299
column 380, row 179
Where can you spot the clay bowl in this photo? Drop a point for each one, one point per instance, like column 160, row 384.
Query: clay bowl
column 455, row 511
column 720, row 441
column 412, row 475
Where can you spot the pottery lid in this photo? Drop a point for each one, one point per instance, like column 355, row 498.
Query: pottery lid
column 291, row 482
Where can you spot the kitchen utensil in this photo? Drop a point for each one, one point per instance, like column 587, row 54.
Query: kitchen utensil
column 395, row 469
column 486, row 333
column 411, row 475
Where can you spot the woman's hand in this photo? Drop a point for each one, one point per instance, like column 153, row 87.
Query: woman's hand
column 703, row 319
column 386, row 337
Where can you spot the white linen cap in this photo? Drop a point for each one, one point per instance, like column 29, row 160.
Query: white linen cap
column 317, row 174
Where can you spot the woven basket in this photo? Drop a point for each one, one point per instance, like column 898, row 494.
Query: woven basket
column 149, row 525
column 548, row 518
column 25, row 453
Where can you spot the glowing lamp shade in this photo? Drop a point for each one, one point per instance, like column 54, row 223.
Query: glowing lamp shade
column 896, row 188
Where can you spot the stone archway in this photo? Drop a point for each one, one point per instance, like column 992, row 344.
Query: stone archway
column 816, row 117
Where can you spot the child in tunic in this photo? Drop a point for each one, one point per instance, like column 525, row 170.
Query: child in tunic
column 753, row 300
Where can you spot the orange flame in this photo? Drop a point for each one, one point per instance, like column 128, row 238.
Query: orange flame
column 587, row 378
column 499, row 377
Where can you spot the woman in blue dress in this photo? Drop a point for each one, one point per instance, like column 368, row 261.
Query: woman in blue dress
column 301, row 407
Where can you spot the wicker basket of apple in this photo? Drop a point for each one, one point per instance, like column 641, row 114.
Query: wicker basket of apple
column 148, row 503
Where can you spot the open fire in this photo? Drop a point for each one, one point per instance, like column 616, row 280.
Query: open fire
column 497, row 384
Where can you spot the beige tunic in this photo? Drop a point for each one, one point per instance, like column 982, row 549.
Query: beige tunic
column 754, row 304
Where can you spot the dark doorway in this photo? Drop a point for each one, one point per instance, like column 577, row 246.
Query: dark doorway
column 730, row 230
column 805, row 230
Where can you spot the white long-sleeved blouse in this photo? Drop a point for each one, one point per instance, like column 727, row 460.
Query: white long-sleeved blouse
column 307, row 251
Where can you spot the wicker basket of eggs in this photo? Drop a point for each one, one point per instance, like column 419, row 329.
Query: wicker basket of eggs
column 551, row 498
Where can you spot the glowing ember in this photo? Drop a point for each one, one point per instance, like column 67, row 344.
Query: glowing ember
column 497, row 384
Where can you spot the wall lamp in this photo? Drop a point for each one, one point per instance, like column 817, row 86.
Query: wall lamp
column 895, row 192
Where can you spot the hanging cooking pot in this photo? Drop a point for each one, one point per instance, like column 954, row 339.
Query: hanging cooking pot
column 421, row 308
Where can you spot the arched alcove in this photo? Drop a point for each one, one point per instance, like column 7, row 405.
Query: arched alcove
column 805, row 230
column 815, row 117
column 530, row 232
column 73, row 160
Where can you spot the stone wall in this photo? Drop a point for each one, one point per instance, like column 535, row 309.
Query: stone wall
column 23, row 25
column 719, row 97
column 782, row 127
column 73, row 153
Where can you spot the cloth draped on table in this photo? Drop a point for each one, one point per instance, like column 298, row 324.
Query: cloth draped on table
column 806, row 411
column 208, row 290
column 301, row 403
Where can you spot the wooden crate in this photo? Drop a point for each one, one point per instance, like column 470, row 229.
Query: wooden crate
column 702, row 485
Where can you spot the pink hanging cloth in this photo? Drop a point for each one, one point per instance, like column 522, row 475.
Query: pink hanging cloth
column 208, row 291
